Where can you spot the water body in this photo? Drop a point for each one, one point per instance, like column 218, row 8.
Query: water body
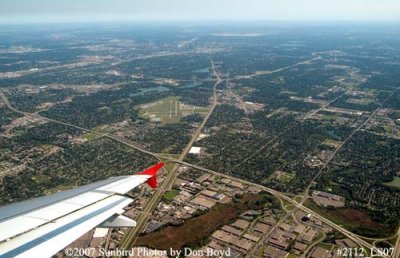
column 293, row 44
column 193, row 84
column 203, row 70
column 143, row 91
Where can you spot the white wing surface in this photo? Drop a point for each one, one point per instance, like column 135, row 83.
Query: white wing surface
column 41, row 227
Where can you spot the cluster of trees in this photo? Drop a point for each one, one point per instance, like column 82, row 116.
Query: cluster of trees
column 229, row 149
column 343, row 103
column 18, row 147
column 197, row 96
column 6, row 116
column 361, row 167
column 225, row 114
column 394, row 101
column 180, row 67
column 168, row 138
column 28, row 102
column 75, row 165
column 104, row 107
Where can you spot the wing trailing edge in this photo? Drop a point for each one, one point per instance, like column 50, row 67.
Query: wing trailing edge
column 41, row 227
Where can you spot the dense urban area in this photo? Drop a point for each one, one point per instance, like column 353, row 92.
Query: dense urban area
column 278, row 141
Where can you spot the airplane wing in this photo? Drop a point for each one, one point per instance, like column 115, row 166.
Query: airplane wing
column 43, row 226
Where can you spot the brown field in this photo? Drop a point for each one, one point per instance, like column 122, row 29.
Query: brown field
column 355, row 217
column 203, row 226
column 197, row 228
column 355, row 220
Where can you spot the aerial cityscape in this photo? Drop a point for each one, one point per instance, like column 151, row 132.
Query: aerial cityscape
column 275, row 140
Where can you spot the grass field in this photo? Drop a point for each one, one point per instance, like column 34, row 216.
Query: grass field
column 326, row 246
column 283, row 177
column 99, row 129
column 168, row 110
column 171, row 194
column 169, row 166
column 394, row 183
column 362, row 101
column 331, row 143
column 39, row 179
column 89, row 136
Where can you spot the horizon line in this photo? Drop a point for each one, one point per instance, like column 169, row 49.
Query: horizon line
column 207, row 21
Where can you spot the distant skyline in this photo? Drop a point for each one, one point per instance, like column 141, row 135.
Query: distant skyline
column 34, row 11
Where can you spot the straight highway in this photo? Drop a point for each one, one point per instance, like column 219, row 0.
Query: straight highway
column 131, row 236
column 172, row 175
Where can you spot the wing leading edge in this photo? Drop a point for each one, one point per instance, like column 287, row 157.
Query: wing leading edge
column 41, row 227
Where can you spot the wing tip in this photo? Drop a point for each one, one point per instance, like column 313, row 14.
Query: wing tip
column 152, row 171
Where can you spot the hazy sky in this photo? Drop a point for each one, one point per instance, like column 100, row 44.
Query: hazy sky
column 22, row 11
